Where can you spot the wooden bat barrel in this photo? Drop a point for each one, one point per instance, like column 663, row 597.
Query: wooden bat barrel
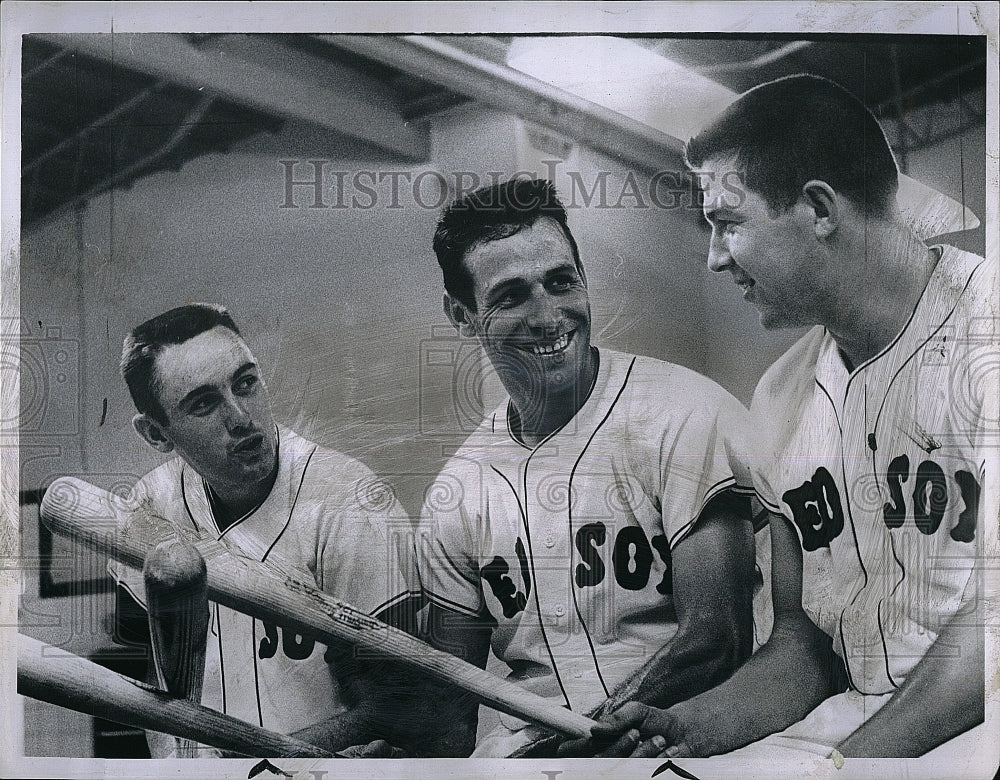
column 49, row 674
column 73, row 507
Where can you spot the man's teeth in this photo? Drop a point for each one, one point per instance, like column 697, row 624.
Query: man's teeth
column 550, row 349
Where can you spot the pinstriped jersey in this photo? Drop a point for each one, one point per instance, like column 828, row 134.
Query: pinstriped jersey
column 880, row 471
column 327, row 521
column 567, row 545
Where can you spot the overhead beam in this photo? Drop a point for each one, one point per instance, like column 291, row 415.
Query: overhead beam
column 77, row 137
column 504, row 88
column 892, row 106
column 935, row 123
column 264, row 75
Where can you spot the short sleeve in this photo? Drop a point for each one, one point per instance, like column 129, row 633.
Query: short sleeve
column 128, row 579
column 700, row 451
column 447, row 549
column 762, row 460
column 365, row 546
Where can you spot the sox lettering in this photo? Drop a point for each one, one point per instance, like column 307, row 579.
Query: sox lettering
column 631, row 560
column 294, row 646
column 818, row 512
column 495, row 573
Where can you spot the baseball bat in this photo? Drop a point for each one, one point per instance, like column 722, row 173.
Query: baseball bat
column 75, row 508
column 177, row 604
column 49, row 674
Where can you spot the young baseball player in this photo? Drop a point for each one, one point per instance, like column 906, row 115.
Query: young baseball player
column 590, row 529
column 878, row 422
column 269, row 495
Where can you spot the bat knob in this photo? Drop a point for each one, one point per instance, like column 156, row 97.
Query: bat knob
column 175, row 564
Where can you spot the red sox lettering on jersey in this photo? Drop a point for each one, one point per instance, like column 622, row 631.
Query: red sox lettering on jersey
column 880, row 471
column 631, row 555
column 567, row 545
column 327, row 521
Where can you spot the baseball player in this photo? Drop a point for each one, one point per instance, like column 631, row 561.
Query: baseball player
column 878, row 421
column 590, row 530
column 269, row 495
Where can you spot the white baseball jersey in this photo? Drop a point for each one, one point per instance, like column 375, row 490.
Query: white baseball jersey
column 880, row 472
column 327, row 520
column 567, row 545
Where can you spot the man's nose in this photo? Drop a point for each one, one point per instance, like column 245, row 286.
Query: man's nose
column 544, row 314
column 719, row 258
column 237, row 414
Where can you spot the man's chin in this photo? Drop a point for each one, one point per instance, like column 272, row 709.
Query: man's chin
column 563, row 385
column 776, row 321
column 530, row 376
column 773, row 320
column 260, row 467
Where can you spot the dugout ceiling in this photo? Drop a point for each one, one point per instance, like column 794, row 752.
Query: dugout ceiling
column 100, row 111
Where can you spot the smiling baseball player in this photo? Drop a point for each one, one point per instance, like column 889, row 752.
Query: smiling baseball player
column 589, row 530
column 269, row 495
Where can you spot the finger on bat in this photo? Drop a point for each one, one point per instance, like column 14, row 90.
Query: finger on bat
column 650, row 748
column 623, row 746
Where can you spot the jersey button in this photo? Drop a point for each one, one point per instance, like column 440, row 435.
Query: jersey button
column 560, row 610
column 550, row 541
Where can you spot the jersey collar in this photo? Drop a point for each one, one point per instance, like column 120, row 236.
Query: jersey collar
column 256, row 532
column 938, row 299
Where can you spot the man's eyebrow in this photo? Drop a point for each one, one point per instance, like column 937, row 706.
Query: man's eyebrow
column 248, row 366
column 200, row 390
column 503, row 285
column 560, row 269
column 515, row 281
column 208, row 388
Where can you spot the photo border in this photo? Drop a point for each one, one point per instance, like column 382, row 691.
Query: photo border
column 397, row 18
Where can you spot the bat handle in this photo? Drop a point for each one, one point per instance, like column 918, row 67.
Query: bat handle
column 176, row 582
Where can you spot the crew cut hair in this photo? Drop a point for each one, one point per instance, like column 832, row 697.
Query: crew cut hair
column 146, row 341
column 787, row 132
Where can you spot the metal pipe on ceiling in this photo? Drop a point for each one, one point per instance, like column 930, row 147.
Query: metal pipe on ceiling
column 262, row 75
column 886, row 106
column 769, row 58
column 106, row 119
column 504, row 88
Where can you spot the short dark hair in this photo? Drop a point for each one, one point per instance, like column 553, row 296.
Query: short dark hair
column 147, row 341
column 786, row 132
column 490, row 214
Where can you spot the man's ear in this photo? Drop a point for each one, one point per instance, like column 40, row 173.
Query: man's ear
column 459, row 316
column 152, row 431
column 824, row 202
